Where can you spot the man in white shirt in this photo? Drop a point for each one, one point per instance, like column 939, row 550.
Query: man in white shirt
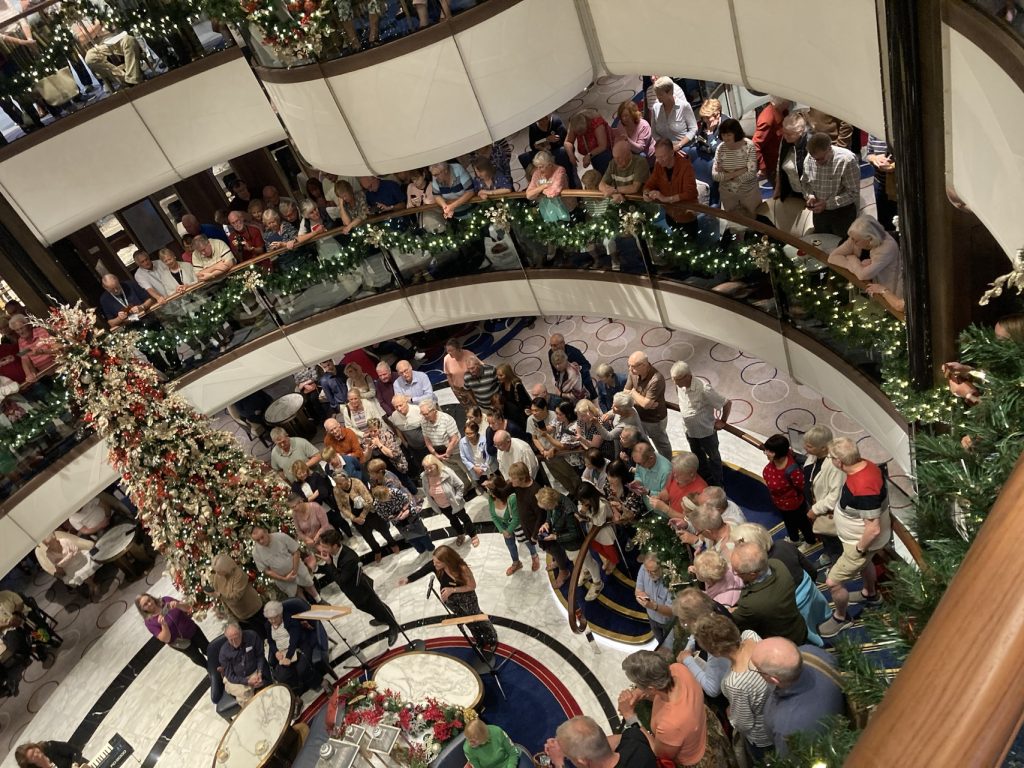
column 704, row 412
column 672, row 117
column 512, row 449
column 93, row 518
column 150, row 274
column 713, row 497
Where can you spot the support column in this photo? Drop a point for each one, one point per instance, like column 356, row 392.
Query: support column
column 915, row 118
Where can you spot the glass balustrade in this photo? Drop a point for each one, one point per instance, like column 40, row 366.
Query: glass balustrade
column 784, row 278
column 62, row 56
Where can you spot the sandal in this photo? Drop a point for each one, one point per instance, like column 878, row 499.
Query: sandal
column 516, row 566
column 536, row 564
column 475, row 541
column 460, row 540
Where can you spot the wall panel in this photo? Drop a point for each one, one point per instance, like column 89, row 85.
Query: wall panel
column 986, row 156
column 413, row 110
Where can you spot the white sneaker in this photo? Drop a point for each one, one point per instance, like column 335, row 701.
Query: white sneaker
column 593, row 591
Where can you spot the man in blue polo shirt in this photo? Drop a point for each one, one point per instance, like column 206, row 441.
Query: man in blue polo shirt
column 123, row 302
column 382, row 196
column 805, row 688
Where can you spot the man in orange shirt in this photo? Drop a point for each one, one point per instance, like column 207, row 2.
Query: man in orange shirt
column 672, row 182
column 343, row 441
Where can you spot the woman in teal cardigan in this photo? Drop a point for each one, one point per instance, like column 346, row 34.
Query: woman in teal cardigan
column 505, row 516
column 487, row 746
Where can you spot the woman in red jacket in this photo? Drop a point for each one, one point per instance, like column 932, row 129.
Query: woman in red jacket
column 785, row 481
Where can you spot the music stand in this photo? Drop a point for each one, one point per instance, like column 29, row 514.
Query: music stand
column 484, row 665
column 325, row 614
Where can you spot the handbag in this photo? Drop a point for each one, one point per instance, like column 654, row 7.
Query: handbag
column 553, row 209
column 825, row 525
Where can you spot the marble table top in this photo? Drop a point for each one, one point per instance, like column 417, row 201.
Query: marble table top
column 251, row 738
column 419, row 675
column 114, row 542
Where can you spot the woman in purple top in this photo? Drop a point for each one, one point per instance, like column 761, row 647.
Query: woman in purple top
column 171, row 622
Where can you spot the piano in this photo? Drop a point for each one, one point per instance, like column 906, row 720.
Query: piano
column 115, row 754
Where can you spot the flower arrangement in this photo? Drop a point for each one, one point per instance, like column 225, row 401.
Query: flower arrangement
column 427, row 726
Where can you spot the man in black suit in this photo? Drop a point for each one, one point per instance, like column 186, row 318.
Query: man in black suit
column 342, row 567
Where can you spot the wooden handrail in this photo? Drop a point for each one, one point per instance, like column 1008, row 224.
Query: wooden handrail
column 959, row 699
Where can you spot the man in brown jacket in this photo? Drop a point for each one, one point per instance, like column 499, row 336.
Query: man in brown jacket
column 672, row 182
column 230, row 584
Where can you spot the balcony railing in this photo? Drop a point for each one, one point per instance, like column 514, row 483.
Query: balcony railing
column 784, row 279
column 63, row 57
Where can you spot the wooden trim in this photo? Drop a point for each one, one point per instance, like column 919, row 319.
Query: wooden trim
column 992, row 35
column 388, row 51
column 959, row 699
column 122, row 98
column 301, row 74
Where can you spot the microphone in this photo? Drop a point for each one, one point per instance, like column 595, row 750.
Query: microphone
column 430, row 586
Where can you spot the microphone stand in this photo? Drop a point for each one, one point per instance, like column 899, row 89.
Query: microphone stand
column 462, row 628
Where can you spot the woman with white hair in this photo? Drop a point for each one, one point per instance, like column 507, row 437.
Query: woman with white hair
column 546, row 185
column 608, row 383
column 623, row 414
column 870, row 253
column 568, row 380
column 683, row 483
column 824, row 484
column 720, row 583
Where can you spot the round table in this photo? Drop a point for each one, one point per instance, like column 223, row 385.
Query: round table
column 258, row 731
column 419, row 675
column 289, row 412
column 114, row 543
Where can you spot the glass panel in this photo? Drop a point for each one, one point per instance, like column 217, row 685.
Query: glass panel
column 57, row 59
column 305, row 31
column 207, row 320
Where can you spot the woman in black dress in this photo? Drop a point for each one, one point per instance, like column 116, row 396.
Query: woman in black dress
column 458, row 591
column 514, row 397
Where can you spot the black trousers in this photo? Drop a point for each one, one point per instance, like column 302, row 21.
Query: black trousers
column 835, row 222
column 375, row 522
column 295, row 675
column 364, row 599
column 196, row 650
column 797, row 523
column 460, row 521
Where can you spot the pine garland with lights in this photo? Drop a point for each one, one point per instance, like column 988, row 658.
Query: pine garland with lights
column 196, row 490
column 958, row 487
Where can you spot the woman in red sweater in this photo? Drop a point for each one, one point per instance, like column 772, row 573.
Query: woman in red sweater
column 785, row 481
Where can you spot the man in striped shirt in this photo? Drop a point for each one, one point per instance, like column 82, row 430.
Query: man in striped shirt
column 831, row 181
column 482, row 380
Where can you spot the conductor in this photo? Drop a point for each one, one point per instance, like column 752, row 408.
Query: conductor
column 342, row 567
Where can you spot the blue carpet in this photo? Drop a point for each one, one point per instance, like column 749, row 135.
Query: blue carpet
column 536, row 701
column 488, row 338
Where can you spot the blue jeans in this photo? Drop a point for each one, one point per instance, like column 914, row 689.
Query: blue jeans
column 513, row 548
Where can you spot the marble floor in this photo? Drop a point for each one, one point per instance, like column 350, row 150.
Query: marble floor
column 107, row 678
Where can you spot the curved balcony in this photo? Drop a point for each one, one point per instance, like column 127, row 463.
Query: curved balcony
column 984, row 63
column 465, row 82
column 295, row 308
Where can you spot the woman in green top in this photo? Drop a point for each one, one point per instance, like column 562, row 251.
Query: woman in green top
column 505, row 515
column 487, row 746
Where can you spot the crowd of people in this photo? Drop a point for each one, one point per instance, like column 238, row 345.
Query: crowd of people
column 552, row 464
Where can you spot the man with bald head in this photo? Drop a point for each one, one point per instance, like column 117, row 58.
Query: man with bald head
column 511, row 450
column 413, row 384
column 123, row 302
column 345, row 442
column 626, row 173
column 246, row 241
column 584, row 743
column 648, row 388
column 272, row 198
column 767, row 603
column 192, row 227
column 576, row 357
column 805, row 688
